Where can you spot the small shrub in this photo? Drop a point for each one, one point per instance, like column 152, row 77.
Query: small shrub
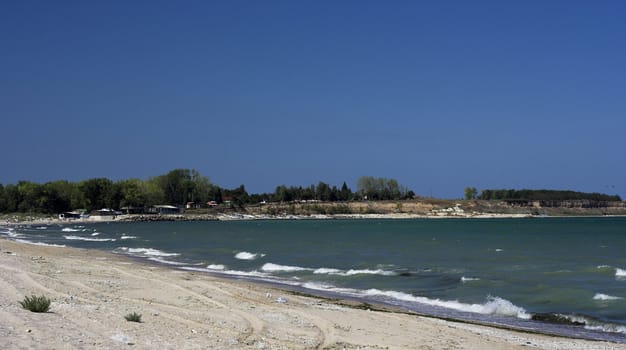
column 36, row 304
column 133, row 317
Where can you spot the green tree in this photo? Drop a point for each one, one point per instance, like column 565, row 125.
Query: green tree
column 201, row 188
column 133, row 193
column 323, row 192
column 29, row 196
column 345, row 193
column 381, row 188
column 177, row 186
column 96, row 192
column 470, row 193
column 11, row 198
column 3, row 200
column 56, row 197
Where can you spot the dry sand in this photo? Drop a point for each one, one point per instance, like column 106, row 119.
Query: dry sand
column 92, row 291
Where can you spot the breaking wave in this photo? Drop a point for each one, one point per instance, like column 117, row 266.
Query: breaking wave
column 216, row 267
column 79, row 238
column 269, row 267
column 69, row 229
column 594, row 324
column 227, row 272
column 469, row 279
column 352, row 272
column 167, row 262
column 492, row 306
column 145, row 252
column 248, row 256
column 600, row 296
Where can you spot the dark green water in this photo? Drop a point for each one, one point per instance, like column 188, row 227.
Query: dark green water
column 492, row 270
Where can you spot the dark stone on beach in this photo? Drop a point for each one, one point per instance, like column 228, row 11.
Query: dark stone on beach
column 557, row 319
column 405, row 274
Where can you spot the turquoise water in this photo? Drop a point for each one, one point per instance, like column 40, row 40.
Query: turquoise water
column 505, row 271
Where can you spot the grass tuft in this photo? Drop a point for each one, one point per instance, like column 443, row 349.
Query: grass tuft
column 36, row 304
column 133, row 317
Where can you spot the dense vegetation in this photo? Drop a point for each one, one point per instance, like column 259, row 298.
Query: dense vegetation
column 181, row 186
column 544, row 195
column 177, row 187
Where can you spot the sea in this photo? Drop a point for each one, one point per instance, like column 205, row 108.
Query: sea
column 563, row 276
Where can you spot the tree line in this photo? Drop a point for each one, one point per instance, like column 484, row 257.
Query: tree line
column 176, row 187
column 540, row 195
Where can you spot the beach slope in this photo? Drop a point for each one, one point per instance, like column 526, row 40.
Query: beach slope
column 92, row 291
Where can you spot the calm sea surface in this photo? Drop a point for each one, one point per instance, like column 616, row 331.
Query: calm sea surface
column 560, row 275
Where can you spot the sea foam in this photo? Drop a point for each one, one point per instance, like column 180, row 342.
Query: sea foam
column 600, row 296
column 69, row 229
column 619, row 273
column 269, row 267
column 227, row 272
column 167, row 262
column 595, row 325
column 146, row 252
column 216, row 267
column 492, row 306
column 79, row 238
column 248, row 256
column 352, row 272
column 469, row 279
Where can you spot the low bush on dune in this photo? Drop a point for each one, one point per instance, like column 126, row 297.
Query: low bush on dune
column 133, row 317
column 36, row 304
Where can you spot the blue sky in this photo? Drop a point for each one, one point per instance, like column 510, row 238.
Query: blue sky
column 438, row 95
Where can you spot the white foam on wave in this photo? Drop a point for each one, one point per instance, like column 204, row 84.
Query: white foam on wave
column 469, row 279
column 41, row 243
column 600, row 296
column 216, row 267
column 248, row 256
column 95, row 234
column 69, row 229
column 596, row 325
column 327, row 271
column 352, row 272
column 42, row 227
column 168, row 262
column 128, row 237
column 620, row 273
column 79, row 238
column 269, row 267
column 228, row 272
column 11, row 233
column 492, row 306
column 146, row 252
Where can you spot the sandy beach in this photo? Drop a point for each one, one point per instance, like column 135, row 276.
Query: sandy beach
column 92, row 291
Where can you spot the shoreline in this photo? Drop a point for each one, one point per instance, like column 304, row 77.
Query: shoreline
column 130, row 218
column 90, row 287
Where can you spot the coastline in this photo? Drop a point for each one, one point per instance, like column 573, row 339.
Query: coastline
column 248, row 217
column 92, row 290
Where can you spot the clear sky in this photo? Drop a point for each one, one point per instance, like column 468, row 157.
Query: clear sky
column 439, row 95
